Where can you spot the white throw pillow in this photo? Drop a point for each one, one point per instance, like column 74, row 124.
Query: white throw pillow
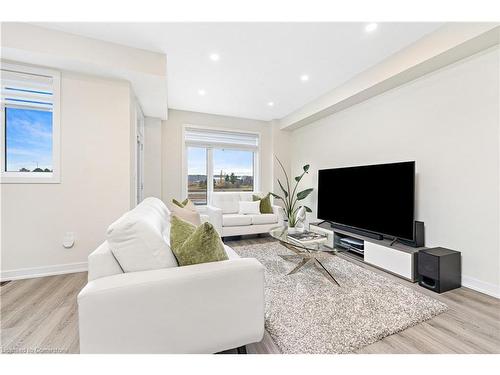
column 187, row 213
column 139, row 240
column 249, row 208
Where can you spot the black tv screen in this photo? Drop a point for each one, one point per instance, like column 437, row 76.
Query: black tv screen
column 376, row 198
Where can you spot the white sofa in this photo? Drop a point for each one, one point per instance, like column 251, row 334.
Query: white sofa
column 202, row 308
column 224, row 216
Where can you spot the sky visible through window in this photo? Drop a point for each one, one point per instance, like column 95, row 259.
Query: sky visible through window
column 229, row 161
column 233, row 161
column 197, row 161
column 28, row 140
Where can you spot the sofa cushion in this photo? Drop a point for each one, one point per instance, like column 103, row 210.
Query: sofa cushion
column 249, row 208
column 246, row 196
column 194, row 245
column 139, row 239
column 264, row 219
column 231, row 254
column 158, row 206
column 235, row 220
column 227, row 202
column 102, row 263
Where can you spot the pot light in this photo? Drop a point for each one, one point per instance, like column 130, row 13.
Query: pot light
column 201, row 92
column 270, row 104
column 371, row 27
column 214, row 57
column 304, row 78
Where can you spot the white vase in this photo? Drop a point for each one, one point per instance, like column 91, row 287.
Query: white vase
column 291, row 230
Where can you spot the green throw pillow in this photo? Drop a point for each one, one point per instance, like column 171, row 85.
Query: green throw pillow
column 265, row 203
column 180, row 204
column 180, row 230
column 193, row 245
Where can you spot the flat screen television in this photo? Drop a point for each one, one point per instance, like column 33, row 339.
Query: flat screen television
column 375, row 198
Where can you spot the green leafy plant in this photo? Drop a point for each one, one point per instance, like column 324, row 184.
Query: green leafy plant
column 290, row 197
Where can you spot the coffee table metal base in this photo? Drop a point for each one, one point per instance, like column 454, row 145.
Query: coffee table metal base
column 307, row 257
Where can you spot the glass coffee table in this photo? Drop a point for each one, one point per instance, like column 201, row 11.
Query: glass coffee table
column 312, row 252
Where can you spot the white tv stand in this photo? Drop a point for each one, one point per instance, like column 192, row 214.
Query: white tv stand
column 398, row 259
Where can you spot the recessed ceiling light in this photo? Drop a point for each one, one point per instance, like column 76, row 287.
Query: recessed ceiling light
column 371, row 27
column 270, row 104
column 201, row 92
column 214, row 57
column 304, row 78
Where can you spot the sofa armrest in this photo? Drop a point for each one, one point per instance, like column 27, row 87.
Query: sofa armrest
column 215, row 215
column 203, row 308
column 281, row 214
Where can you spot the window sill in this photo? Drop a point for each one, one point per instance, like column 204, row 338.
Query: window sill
column 32, row 178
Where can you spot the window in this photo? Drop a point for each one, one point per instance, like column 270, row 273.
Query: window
column 30, row 124
column 227, row 159
column 233, row 170
column 197, row 175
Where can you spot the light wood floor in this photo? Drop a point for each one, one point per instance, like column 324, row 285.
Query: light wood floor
column 40, row 315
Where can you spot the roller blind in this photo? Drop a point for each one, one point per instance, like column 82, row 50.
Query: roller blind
column 218, row 138
column 27, row 90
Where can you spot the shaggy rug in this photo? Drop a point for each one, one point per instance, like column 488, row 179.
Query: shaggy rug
column 306, row 313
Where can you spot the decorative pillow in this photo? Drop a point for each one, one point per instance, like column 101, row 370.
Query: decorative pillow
column 186, row 203
column 190, row 205
column 249, row 208
column 183, row 229
column 188, row 212
column 194, row 245
column 265, row 203
column 137, row 239
column 180, row 204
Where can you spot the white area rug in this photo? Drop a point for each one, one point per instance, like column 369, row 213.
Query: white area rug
column 306, row 313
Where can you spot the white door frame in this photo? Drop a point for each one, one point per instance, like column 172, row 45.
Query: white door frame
column 139, row 156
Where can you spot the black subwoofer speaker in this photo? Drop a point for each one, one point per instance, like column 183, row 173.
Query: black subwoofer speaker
column 439, row 269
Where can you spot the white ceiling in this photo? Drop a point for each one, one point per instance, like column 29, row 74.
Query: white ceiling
column 259, row 62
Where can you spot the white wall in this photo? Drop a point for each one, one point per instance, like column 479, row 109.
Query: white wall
column 281, row 150
column 448, row 122
column 173, row 144
column 146, row 70
column 94, row 189
column 152, row 157
column 450, row 43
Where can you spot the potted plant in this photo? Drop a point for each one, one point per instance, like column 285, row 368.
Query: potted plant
column 291, row 198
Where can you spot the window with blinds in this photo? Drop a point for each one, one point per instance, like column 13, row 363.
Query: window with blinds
column 28, row 90
column 219, row 161
column 219, row 138
column 30, row 124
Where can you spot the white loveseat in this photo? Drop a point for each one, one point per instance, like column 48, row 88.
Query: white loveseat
column 202, row 308
column 224, row 216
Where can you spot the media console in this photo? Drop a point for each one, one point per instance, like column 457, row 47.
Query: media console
column 398, row 259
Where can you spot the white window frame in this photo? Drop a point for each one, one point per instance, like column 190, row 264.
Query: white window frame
column 54, row 177
column 210, row 172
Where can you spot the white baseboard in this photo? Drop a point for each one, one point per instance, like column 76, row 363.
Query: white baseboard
column 29, row 273
column 481, row 286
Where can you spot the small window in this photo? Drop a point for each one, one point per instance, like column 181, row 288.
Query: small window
column 30, row 125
